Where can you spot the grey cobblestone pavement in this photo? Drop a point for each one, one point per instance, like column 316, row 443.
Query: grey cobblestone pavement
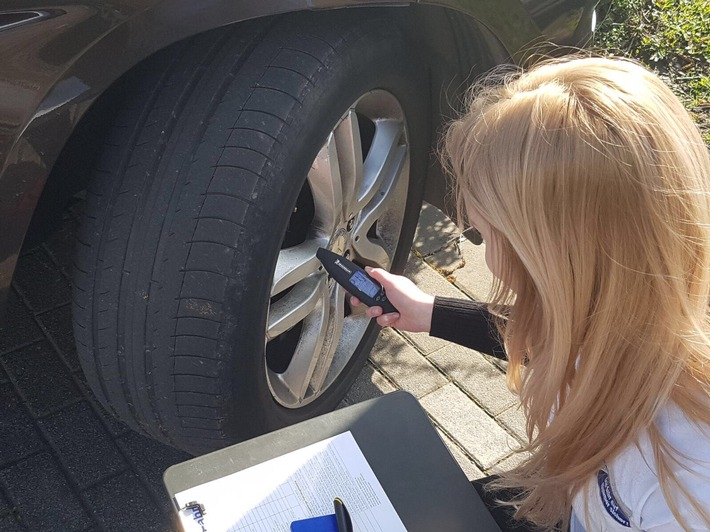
column 66, row 465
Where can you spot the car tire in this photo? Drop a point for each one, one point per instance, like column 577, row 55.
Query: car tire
column 192, row 262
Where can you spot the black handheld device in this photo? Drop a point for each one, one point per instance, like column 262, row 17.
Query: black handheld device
column 355, row 280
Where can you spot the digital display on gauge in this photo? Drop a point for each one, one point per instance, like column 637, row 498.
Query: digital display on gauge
column 363, row 284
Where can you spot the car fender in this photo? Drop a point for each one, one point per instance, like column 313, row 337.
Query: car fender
column 58, row 59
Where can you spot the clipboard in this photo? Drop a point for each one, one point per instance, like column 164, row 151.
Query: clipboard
column 422, row 480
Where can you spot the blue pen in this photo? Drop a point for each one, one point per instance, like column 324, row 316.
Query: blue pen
column 342, row 516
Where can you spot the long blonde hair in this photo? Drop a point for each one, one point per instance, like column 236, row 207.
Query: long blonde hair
column 596, row 185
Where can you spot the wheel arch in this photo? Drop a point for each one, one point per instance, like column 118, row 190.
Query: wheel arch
column 76, row 108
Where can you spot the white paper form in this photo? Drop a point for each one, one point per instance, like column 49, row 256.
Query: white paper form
column 269, row 496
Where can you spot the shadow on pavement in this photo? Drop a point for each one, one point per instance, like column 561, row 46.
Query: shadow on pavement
column 65, row 464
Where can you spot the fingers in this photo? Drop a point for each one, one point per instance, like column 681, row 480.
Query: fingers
column 372, row 312
column 387, row 320
column 383, row 277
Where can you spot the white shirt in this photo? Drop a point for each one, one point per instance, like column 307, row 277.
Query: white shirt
column 627, row 496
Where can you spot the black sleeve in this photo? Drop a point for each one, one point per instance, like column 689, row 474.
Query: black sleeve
column 467, row 323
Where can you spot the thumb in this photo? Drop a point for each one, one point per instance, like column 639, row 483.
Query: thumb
column 378, row 274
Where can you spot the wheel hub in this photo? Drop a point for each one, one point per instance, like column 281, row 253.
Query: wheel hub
column 340, row 241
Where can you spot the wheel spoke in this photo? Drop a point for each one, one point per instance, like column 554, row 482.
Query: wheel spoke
column 333, row 332
column 384, row 153
column 296, row 263
column 349, row 150
column 326, row 186
column 374, row 250
column 297, row 379
column 293, row 308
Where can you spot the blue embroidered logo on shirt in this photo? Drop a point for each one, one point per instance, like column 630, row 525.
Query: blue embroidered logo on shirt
column 609, row 501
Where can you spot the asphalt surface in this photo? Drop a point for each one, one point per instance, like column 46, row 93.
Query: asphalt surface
column 66, row 465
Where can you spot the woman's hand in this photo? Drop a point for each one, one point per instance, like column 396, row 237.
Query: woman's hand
column 415, row 307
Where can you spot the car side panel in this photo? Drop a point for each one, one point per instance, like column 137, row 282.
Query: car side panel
column 55, row 66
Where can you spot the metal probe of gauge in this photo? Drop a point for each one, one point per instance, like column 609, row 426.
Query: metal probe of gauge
column 355, row 280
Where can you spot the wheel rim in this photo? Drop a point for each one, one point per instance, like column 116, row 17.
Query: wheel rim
column 356, row 194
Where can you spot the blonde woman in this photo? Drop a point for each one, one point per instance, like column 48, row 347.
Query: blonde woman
column 591, row 188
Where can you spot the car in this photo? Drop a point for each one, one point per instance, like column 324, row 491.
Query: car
column 214, row 147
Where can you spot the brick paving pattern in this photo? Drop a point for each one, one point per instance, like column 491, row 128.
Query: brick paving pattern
column 66, row 465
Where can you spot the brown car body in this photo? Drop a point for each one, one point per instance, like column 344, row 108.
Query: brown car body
column 58, row 58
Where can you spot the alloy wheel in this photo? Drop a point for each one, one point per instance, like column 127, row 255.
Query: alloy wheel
column 355, row 197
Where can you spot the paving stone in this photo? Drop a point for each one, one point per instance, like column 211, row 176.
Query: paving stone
column 40, row 282
column 86, row 449
column 8, row 516
column 469, row 425
column 438, row 240
column 428, row 279
column 43, row 497
column 448, row 260
column 502, row 365
column 509, row 463
column 407, row 368
column 122, row 503
column 424, row 343
column 17, row 326
column 369, row 383
column 60, row 244
column 41, row 377
column 114, row 426
column 474, row 374
column 58, row 324
column 151, row 459
column 473, row 277
column 514, row 420
column 434, row 230
column 5, row 506
column 8, row 523
column 466, row 464
column 439, row 243
column 19, row 437
column 431, row 282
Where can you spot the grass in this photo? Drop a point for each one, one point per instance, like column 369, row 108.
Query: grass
column 670, row 36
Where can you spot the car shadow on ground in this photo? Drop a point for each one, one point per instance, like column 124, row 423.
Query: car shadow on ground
column 65, row 464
